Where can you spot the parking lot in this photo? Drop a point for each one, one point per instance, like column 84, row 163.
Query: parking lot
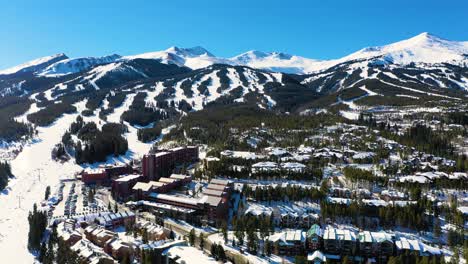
column 75, row 198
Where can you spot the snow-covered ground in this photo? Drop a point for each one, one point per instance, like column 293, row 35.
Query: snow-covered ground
column 34, row 170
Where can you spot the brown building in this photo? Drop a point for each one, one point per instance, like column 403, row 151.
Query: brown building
column 122, row 187
column 141, row 190
column 118, row 249
column 104, row 174
column 99, row 235
column 116, row 219
column 162, row 163
column 95, row 176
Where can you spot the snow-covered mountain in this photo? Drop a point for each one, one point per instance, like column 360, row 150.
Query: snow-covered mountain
column 194, row 58
column 424, row 64
column 424, row 60
column 69, row 66
column 34, row 65
column 276, row 61
column 423, row 48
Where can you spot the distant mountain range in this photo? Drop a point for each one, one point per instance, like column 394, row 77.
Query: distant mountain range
column 423, row 48
column 421, row 70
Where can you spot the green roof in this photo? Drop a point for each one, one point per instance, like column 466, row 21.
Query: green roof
column 314, row 230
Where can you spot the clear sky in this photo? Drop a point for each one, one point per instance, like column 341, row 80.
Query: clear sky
column 316, row 29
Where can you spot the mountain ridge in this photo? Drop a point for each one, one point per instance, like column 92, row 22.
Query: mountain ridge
column 168, row 87
column 422, row 48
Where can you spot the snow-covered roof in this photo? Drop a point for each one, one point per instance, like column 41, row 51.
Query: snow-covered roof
column 414, row 178
column 276, row 151
column 293, row 166
column 363, row 155
column 186, row 255
column 220, row 182
column 185, row 200
column 339, row 234
column 375, row 202
column 128, row 178
column 143, row 186
column 408, row 244
column 338, row 200
column 463, row 210
column 241, row 154
column 317, row 255
column 370, row 237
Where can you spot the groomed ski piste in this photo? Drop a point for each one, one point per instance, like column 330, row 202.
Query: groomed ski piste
column 34, row 170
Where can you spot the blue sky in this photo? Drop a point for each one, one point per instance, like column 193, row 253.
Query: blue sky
column 314, row 29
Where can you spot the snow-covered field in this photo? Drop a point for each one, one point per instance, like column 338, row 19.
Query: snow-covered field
column 34, row 170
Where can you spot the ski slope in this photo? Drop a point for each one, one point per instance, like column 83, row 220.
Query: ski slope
column 34, row 170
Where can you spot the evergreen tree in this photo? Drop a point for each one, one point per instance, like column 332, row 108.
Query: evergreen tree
column 224, row 232
column 214, row 251
column 192, row 237
column 5, row 174
column 268, row 247
column 42, row 253
column 221, row 253
column 37, row 225
column 47, row 193
column 65, row 255
column 202, row 241
column 252, row 241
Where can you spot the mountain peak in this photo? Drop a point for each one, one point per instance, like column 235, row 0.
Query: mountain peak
column 425, row 37
column 424, row 47
column 68, row 66
column 190, row 52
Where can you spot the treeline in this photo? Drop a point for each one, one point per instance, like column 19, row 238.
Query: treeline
column 115, row 99
column 139, row 114
column 149, row 134
column 5, row 174
column 460, row 118
column 101, row 146
column 247, row 229
column 418, row 136
column 55, row 250
column 215, row 123
column 50, row 113
column 37, row 225
column 410, row 216
column 279, row 193
column 98, row 144
column 415, row 258
column 462, row 163
column 423, row 138
column 11, row 107
column 241, row 169
column 356, row 175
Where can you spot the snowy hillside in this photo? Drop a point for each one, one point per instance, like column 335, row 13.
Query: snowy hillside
column 194, row 58
column 69, row 66
column 423, row 48
column 34, row 65
column 180, row 80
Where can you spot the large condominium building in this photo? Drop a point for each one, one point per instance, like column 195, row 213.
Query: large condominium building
column 161, row 164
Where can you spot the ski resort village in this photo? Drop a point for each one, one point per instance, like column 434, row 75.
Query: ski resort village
column 182, row 157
